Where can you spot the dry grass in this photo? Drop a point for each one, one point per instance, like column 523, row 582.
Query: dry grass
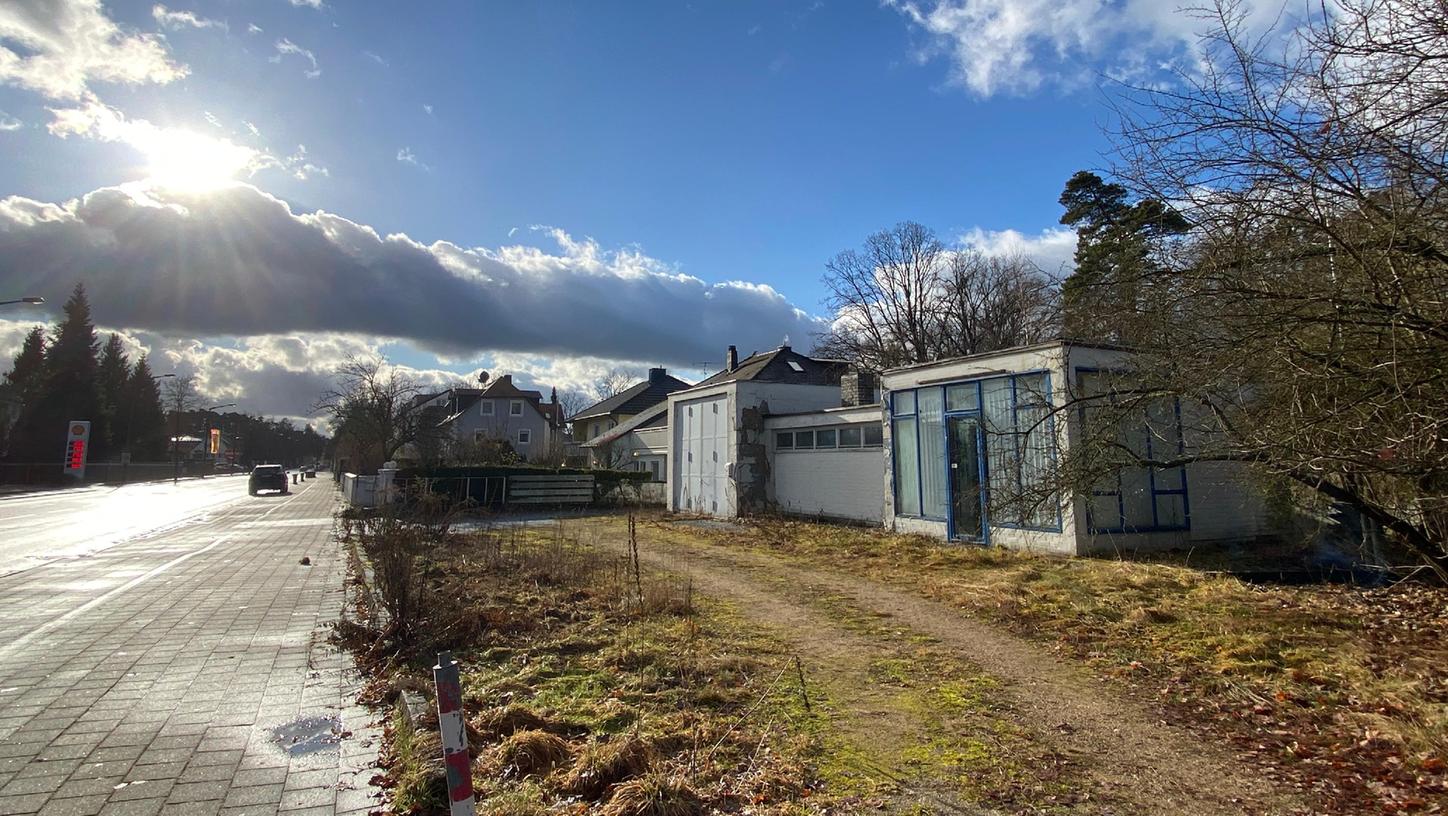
column 655, row 794
column 583, row 675
column 526, row 753
column 1342, row 690
column 601, row 764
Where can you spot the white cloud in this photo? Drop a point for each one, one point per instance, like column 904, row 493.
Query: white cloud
column 1017, row 46
column 406, row 156
column 301, row 167
column 1053, row 249
column 236, row 262
column 375, row 57
column 252, row 129
column 427, row 109
column 285, row 46
column 253, row 28
column 173, row 20
column 8, row 122
column 58, row 47
column 316, row 4
column 179, row 152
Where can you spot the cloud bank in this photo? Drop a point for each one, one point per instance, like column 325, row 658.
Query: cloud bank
column 238, row 262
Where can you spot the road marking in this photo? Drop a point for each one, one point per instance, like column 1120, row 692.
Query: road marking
column 8, row 649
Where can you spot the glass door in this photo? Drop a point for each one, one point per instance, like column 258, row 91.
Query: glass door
column 966, row 457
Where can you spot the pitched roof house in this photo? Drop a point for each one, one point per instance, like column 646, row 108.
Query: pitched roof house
column 597, row 420
column 499, row 410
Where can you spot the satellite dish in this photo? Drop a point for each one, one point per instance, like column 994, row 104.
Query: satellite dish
column 482, row 378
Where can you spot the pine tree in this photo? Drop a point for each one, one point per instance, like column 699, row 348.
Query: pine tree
column 69, row 391
column 1104, row 296
column 112, row 375
column 22, row 385
column 146, row 418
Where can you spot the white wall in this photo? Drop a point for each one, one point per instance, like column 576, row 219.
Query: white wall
column 840, row 483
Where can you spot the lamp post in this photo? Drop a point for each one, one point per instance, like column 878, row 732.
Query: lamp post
column 207, row 440
column 130, row 420
column 32, row 301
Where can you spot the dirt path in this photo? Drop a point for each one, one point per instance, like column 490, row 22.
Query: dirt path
column 1120, row 758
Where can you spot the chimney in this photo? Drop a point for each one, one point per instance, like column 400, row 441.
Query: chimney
column 857, row 388
column 731, row 360
column 657, row 374
column 553, row 395
column 506, row 379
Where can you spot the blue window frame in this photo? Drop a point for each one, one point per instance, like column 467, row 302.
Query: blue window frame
column 1020, row 447
column 1141, row 499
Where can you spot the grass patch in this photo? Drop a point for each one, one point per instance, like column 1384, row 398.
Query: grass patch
column 590, row 685
column 1340, row 689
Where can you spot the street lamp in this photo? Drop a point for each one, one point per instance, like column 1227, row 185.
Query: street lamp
column 33, row 301
column 130, row 420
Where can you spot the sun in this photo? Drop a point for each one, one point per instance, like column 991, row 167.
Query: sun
column 183, row 160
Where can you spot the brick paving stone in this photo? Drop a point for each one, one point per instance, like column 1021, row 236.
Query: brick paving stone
column 159, row 698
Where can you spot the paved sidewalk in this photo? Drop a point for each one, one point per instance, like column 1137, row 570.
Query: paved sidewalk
column 186, row 673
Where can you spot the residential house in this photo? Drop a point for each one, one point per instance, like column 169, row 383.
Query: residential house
column 593, row 423
column 639, row 443
column 498, row 410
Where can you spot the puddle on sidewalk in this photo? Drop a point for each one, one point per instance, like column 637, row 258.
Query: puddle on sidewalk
column 308, row 735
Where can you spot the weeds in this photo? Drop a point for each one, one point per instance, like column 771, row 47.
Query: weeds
column 588, row 679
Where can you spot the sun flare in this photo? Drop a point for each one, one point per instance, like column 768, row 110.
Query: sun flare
column 183, row 160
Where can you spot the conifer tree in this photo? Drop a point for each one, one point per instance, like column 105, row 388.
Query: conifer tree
column 145, row 417
column 111, row 377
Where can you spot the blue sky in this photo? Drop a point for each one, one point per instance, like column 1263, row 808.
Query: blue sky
column 580, row 141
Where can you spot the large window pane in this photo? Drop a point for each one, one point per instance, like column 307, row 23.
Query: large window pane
column 907, row 468
column 850, row 437
column 825, row 438
column 784, row 440
column 930, row 413
column 874, row 436
column 804, row 439
column 1002, row 456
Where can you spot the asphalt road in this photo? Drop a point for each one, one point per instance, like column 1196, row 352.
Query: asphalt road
column 39, row 527
column 163, row 651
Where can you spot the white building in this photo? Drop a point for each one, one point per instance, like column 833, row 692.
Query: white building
column 972, row 446
column 718, row 453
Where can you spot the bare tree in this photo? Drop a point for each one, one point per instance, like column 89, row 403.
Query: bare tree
column 573, row 401
column 613, row 383
column 886, row 298
column 993, row 302
column 905, row 297
column 181, row 397
column 1303, row 323
column 373, row 408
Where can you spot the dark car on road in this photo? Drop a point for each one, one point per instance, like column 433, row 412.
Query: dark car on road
column 267, row 477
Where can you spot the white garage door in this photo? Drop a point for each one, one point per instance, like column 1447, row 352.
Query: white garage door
column 702, row 435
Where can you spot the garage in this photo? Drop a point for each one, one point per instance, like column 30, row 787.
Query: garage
column 702, row 428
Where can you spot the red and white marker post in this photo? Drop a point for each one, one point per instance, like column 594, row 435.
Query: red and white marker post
column 454, row 735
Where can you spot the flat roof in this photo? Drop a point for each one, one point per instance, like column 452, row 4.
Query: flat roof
column 985, row 355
